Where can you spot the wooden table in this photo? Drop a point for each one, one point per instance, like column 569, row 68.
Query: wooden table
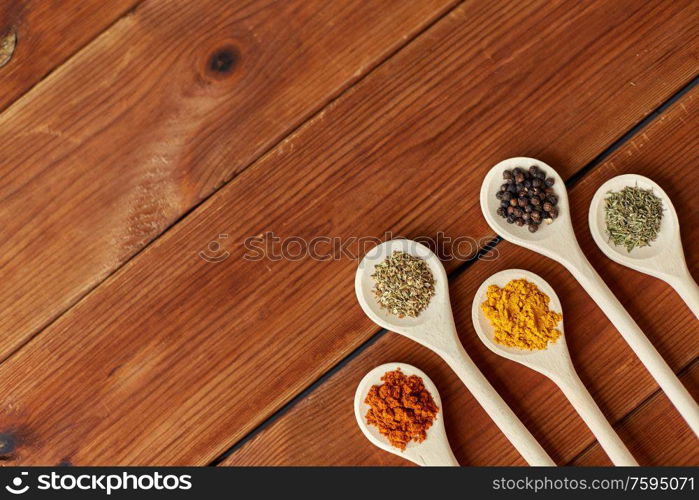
column 149, row 145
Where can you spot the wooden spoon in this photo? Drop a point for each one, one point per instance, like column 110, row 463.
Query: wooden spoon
column 434, row 450
column 557, row 241
column 664, row 257
column 553, row 362
column 434, row 328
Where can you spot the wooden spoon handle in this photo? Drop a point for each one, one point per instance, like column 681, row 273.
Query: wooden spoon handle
column 595, row 286
column 438, row 456
column 688, row 289
column 582, row 401
column 495, row 406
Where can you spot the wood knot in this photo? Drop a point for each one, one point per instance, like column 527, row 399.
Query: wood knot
column 8, row 443
column 8, row 42
column 223, row 61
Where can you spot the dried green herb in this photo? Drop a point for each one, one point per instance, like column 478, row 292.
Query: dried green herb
column 404, row 284
column 633, row 217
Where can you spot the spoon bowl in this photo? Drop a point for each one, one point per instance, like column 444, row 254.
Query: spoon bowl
column 539, row 360
column 638, row 258
column 664, row 257
column 364, row 286
column 434, row 450
column 548, row 235
column 554, row 362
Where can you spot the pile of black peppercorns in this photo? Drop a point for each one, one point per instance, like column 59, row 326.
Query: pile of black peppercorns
column 527, row 198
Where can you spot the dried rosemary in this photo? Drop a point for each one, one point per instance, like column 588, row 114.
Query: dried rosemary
column 404, row 284
column 633, row 217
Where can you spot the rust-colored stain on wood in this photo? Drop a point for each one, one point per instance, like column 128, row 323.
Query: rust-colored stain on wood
column 154, row 132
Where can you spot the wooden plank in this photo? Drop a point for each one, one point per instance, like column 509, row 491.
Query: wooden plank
column 185, row 356
column 47, row 34
column 152, row 117
column 613, row 374
column 666, row 441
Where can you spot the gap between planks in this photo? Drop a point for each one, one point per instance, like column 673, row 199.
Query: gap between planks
column 573, row 180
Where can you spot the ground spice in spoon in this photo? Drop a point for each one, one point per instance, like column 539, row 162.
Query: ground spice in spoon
column 401, row 408
column 519, row 312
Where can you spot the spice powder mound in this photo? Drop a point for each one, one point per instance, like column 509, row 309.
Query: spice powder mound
column 401, row 408
column 403, row 284
column 519, row 312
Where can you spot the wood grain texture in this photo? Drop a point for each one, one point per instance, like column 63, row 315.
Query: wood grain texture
column 48, row 33
column 152, row 117
column 667, row 444
column 186, row 356
column 614, row 376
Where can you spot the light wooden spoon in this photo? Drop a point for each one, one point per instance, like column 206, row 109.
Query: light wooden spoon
column 664, row 257
column 434, row 328
column 553, row 362
column 557, row 241
column 434, row 450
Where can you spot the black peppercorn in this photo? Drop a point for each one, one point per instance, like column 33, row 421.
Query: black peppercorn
column 533, row 228
column 526, row 197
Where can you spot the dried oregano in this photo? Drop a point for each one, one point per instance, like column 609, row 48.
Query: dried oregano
column 404, row 284
column 633, row 217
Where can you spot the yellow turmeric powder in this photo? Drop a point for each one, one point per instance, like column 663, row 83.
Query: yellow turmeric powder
column 519, row 313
